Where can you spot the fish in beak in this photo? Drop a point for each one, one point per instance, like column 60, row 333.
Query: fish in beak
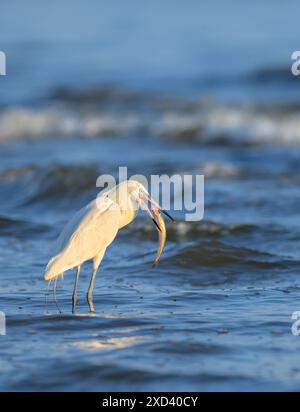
column 162, row 236
column 155, row 214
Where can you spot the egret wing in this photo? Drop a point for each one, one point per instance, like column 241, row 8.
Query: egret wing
column 90, row 230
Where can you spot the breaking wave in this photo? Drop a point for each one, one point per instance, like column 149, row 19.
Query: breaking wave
column 199, row 121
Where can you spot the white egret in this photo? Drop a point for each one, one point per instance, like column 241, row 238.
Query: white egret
column 93, row 228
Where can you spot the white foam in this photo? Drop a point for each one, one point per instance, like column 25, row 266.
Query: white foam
column 27, row 123
column 215, row 169
column 203, row 124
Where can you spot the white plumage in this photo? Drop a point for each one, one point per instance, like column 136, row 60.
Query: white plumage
column 93, row 228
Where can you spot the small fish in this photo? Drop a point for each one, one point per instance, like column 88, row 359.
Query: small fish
column 162, row 235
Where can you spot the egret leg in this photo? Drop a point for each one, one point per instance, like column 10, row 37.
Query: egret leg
column 46, row 296
column 74, row 297
column 96, row 262
column 90, row 290
column 54, row 294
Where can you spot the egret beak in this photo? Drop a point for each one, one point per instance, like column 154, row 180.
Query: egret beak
column 156, row 224
column 167, row 214
column 155, row 206
column 146, row 208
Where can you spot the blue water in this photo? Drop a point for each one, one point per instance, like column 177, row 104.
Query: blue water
column 160, row 87
column 155, row 45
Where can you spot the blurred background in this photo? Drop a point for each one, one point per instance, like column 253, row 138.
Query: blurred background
column 160, row 87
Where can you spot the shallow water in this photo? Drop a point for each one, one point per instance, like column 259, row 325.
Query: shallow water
column 215, row 314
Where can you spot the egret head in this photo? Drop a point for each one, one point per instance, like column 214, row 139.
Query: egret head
column 143, row 199
column 137, row 195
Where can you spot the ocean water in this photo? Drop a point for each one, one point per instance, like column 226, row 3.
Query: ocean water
column 161, row 88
